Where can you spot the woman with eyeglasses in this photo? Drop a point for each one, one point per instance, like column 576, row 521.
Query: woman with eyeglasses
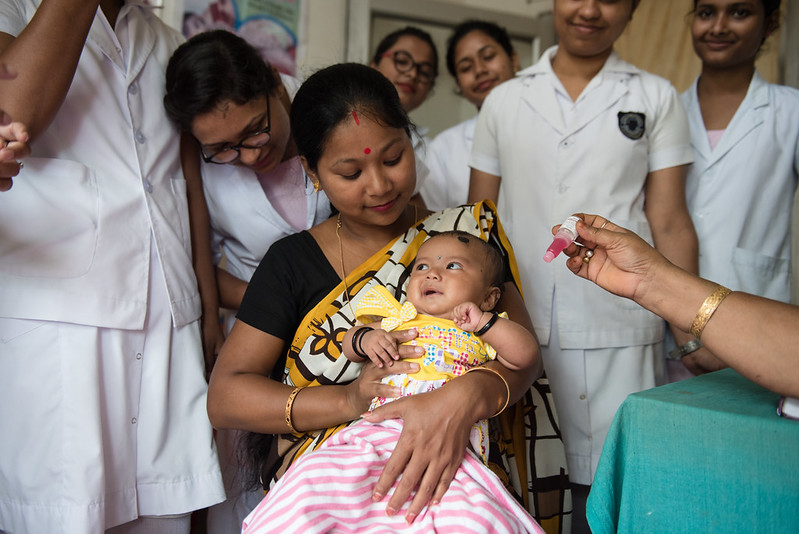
column 409, row 59
column 235, row 109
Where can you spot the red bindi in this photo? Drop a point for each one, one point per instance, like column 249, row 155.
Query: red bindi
column 367, row 150
column 355, row 116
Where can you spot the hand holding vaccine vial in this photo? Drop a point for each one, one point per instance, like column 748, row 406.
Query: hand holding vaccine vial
column 566, row 235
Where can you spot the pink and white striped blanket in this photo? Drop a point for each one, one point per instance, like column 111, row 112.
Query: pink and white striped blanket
column 330, row 490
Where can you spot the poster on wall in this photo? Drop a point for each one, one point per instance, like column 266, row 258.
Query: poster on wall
column 271, row 26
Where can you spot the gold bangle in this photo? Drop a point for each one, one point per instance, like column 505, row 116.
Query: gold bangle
column 289, row 404
column 507, row 387
column 707, row 309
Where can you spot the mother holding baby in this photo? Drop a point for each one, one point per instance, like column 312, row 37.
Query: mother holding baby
column 281, row 373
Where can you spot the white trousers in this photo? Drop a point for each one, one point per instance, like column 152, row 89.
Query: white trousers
column 588, row 386
column 100, row 426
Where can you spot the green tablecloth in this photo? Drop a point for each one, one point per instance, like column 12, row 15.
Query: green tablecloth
column 706, row 455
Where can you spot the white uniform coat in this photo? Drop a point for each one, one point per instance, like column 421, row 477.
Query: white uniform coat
column 551, row 170
column 447, row 185
column 244, row 224
column 421, row 144
column 102, row 393
column 740, row 194
column 597, row 347
column 59, row 259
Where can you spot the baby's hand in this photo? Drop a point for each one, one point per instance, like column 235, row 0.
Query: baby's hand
column 467, row 316
column 379, row 346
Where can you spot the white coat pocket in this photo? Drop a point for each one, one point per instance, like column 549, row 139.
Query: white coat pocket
column 760, row 274
column 49, row 220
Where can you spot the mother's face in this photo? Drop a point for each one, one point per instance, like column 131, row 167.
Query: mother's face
column 367, row 170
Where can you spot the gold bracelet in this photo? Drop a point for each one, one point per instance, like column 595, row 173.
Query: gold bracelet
column 707, row 309
column 507, row 387
column 289, row 404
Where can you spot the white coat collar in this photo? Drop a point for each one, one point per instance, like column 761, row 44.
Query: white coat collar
column 538, row 81
column 749, row 115
column 614, row 63
column 103, row 37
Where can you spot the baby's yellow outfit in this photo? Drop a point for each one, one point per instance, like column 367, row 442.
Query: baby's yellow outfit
column 449, row 351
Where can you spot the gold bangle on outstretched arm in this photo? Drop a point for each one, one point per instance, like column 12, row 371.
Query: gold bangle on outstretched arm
column 507, row 387
column 289, row 405
column 707, row 310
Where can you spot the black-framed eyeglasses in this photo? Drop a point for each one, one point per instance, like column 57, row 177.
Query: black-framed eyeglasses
column 231, row 154
column 403, row 62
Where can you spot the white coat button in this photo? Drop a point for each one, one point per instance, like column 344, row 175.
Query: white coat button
column 139, row 137
column 562, row 188
column 133, row 89
column 582, row 397
column 138, row 356
column 148, row 186
column 133, row 421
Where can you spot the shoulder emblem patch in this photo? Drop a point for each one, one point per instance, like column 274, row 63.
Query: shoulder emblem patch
column 632, row 124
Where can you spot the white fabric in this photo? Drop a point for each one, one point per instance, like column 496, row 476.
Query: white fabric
column 155, row 525
column 740, row 194
column 102, row 399
column 420, row 143
column 110, row 154
column 244, row 224
column 592, row 401
column 554, row 162
column 447, row 185
column 551, row 170
column 101, row 425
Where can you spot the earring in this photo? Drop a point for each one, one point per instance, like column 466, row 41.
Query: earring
column 317, row 187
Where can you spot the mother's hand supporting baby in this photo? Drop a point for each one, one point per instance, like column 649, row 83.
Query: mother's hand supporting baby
column 434, row 438
column 368, row 385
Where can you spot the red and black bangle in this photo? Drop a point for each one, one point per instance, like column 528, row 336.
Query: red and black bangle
column 488, row 325
column 356, row 339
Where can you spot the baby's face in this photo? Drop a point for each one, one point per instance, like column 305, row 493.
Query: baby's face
column 447, row 272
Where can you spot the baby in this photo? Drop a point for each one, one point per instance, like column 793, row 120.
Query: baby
column 455, row 283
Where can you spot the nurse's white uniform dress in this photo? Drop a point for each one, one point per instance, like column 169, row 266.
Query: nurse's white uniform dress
column 447, row 185
column 102, row 389
column 741, row 192
column 555, row 158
